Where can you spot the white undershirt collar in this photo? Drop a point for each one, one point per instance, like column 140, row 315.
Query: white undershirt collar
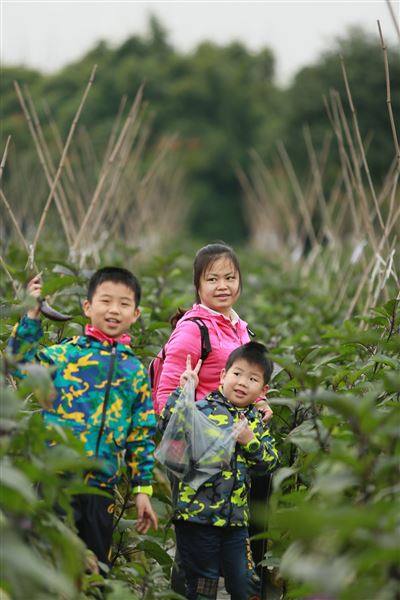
column 233, row 316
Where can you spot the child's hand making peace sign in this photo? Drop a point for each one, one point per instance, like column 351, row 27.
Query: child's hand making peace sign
column 190, row 373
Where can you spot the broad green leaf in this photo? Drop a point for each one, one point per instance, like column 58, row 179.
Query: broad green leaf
column 156, row 551
column 14, row 479
column 281, row 475
column 22, row 564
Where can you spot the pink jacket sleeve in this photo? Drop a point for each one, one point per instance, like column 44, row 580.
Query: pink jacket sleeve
column 184, row 340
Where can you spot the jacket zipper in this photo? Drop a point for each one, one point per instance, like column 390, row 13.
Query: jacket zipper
column 106, row 397
column 235, row 469
column 233, row 486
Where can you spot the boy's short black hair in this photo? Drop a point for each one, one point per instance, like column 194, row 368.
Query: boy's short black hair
column 255, row 354
column 116, row 275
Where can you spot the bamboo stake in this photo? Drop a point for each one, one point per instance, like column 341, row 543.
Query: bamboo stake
column 360, row 142
column 298, row 193
column 89, row 156
column 146, row 223
column 157, row 161
column 114, row 130
column 83, row 178
column 268, row 220
column 387, row 186
column 392, row 199
column 343, row 278
column 41, row 156
column 10, row 277
column 117, row 177
column 316, row 174
column 123, row 209
column 4, row 157
column 367, row 216
column 288, row 221
column 103, row 175
column 24, row 211
column 62, row 160
column 334, row 120
column 389, row 97
column 74, row 193
column 350, row 181
column 290, row 217
column 313, row 191
column 14, row 221
column 100, row 217
column 59, row 195
column 394, row 18
column 338, row 120
column 357, row 160
column 124, row 204
column 390, row 223
column 255, row 213
column 370, row 265
column 267, row 206
column 348, row 176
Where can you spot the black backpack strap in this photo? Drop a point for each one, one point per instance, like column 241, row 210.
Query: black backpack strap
column 205, row 338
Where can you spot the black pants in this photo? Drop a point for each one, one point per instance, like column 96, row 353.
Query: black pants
column 93, row 516
column 258, row 503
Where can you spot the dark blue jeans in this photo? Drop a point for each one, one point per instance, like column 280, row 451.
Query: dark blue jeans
column 204, row 549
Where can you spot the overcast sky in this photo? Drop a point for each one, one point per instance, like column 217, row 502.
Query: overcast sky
column 49, row 34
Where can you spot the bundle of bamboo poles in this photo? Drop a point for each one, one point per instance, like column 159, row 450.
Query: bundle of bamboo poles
column 92, row 201
column 350, row 235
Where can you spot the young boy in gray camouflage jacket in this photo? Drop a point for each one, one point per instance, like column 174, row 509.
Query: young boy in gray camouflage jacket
column 211, row 523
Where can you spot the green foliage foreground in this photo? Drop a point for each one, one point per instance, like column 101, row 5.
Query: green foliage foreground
column 332, row 518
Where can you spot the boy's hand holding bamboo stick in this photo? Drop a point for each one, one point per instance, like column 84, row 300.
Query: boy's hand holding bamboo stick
column 35, row 290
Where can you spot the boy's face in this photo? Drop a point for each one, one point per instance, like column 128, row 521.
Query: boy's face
column 112, row 308
column 243, row 383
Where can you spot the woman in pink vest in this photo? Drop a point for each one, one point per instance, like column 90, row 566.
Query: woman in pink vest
column 218, row 282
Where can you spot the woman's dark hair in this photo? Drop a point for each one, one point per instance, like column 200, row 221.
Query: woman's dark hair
column 116, row 275
column 206, row 256
column 203, row 260
column 255, row 354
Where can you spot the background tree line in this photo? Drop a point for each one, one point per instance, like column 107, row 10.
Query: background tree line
column 219, row 102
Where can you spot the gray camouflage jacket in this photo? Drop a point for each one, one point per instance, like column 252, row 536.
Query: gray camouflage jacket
column 222, row 501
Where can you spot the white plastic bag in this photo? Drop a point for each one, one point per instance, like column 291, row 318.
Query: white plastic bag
column 194, row 448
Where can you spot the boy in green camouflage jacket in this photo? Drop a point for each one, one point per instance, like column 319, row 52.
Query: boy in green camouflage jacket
column 103, row 396
column 211, row 523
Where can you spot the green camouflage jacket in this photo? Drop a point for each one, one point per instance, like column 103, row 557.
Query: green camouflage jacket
column 103, row 396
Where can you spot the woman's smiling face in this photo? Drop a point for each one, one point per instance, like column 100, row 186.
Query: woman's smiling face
column 220, row 286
